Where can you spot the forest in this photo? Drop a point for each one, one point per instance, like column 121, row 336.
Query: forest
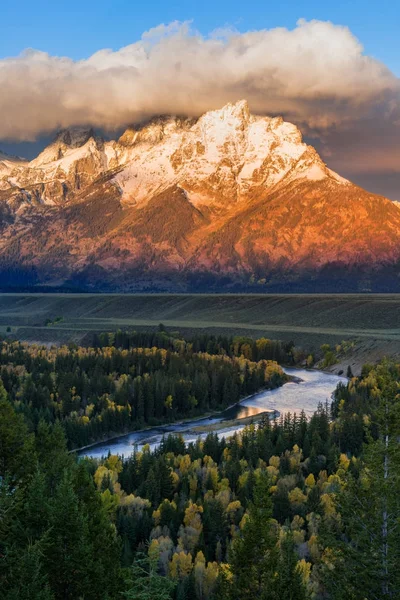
column 125, row 381
column 293, row 509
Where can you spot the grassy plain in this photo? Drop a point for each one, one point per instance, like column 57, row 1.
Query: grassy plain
column 308, row 319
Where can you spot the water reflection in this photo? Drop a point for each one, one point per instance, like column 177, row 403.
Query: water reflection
column 315, row 387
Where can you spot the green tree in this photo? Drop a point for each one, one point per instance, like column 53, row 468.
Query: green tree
column 68, row 548
column 254, row 555
column 17, row 455
column 27, row 576
column 145, row 582
column 289, row 584
column 363, row 561
column 366, row 556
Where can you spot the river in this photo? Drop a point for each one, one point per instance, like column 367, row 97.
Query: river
column 314, row 387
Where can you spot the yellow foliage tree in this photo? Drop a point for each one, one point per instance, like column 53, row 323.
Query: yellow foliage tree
column 296, row 496
column 205, row 576
column 180, row 566
column 310, row 481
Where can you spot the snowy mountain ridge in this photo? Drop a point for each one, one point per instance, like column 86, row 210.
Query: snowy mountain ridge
column 224, row 152
column 225, row 201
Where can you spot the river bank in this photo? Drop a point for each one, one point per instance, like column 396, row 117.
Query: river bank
column 314, row 387
column 205, row 416
column 224, row 427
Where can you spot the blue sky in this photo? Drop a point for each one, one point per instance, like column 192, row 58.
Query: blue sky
column 77, row 28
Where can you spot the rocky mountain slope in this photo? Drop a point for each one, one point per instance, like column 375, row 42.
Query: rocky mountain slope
column 227, row 201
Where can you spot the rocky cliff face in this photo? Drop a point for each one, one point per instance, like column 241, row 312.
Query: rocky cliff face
column 230, row 200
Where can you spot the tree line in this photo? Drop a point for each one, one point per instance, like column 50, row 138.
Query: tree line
column 96, row 392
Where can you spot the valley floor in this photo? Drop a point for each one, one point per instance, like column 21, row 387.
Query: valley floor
column 310, row 320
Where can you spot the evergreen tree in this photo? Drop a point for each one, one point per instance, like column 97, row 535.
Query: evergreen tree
column 254, row 554
column 215, row 527
column 145, row 583
column 17, row 455
column 68, row 547
column 363, row 562
column 27, row 576
column 289, row 584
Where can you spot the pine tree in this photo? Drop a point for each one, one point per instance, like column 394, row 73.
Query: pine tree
column 17, row 455
column 366, row 557
column 146, row 583
column 163, row 472
column 215, row 527
column 27, row 576
column 289, row 584
column 68, row 549
column 33, row 521
column 254, row 554
column 103, row 567
column 364, row 561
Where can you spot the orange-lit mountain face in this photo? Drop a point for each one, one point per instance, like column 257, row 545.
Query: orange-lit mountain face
column 228, row 201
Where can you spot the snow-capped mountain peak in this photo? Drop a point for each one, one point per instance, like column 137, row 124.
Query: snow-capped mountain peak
column 227, row 193
column 217, row 159
column 66, row 143
column 74, row 137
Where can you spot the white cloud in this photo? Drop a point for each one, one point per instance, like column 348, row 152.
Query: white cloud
column 315, row 75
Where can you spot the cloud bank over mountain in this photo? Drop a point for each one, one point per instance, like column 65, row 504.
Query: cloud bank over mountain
column 315, row 75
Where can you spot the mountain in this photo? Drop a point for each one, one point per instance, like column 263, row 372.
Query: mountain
column 229, row 201
column 7, row 165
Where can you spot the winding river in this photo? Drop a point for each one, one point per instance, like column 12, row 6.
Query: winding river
column 314, row 387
